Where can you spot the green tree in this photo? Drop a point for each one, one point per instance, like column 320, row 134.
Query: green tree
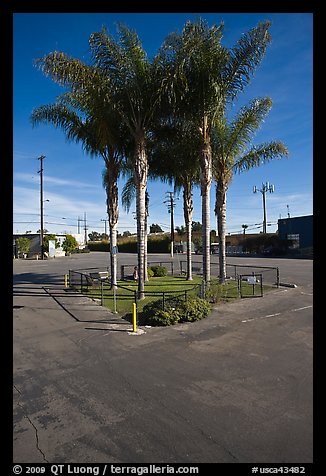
column 70, row 244
column 233, row 152
column 46, row 240
column 94, row 236
column 136, row 88
column 155, row 228
column 86, row 114
column 23, row 245
column 204, row 76
column 173, row 154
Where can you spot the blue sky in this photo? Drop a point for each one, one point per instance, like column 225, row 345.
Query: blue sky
column 73, row 180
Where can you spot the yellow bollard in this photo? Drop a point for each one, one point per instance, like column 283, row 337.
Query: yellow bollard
column 66, row 280
column 134, row 313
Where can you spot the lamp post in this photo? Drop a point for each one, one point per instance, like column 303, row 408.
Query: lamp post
column 266, row 187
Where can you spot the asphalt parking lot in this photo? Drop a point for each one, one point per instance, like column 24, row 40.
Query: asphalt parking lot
column 235, row 387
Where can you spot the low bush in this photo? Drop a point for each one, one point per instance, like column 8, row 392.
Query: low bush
column 150, row 272
column 154, row 315
column 159, row 271
column 191, row 310
column 215, row 293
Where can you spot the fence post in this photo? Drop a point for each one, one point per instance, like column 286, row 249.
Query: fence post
column 277, row 277
column 102, row 301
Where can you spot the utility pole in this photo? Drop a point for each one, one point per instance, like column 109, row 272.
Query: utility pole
column 78, row 224
column 266, row 187
column 85, row 228
column 41, row 158
column 171, row 204
column 105, row 226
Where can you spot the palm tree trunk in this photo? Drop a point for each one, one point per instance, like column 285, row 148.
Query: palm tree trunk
column 113, row 214
column 113, row 254
column 221, row 224
column 205, row 183
column 187, row 211
column 141, row 174
column 146, row 228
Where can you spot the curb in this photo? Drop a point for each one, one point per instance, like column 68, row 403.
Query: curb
column 288, row 285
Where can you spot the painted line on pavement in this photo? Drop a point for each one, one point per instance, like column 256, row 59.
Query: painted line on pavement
column 276, row 314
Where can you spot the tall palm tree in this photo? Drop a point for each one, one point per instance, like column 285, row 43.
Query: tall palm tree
column 127, row 197
column 174, row 156
column 204, row 76
column 136, row 88
column 233, row 152
column 85, row 115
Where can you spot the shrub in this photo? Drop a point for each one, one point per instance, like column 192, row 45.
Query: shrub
column 154, row 315
column 69, row 244
column 215, row 292
column 193, row 309
column 98, row 246
column 159, row 271
column 23, row 245
column 150, row 272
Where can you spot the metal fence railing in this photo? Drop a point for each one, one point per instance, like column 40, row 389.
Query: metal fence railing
column 82, row 280
column 271, row 274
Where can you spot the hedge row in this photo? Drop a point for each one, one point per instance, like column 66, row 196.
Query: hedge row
column 154, row 245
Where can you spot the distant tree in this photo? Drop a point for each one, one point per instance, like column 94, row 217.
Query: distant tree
column 197, row 226
column 155, row 228
column 46, row 240
column 39, row 231
column 69, row 244
column 126, row 233
column 181, row 230
column 94, row 236
column 23, row 245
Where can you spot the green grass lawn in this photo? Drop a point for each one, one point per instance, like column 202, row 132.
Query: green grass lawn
column 170, row 286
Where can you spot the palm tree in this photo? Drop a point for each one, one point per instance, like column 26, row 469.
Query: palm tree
column 233, row 152
column 204, row 76
column 127, row 197
column 136, row 89
column 174, row 155
column 85, row 115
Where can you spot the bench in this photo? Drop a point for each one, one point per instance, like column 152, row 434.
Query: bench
column 96, row 278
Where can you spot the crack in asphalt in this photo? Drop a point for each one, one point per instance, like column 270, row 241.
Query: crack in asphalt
column 30, row 421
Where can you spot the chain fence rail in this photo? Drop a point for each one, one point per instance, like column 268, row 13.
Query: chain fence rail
column 271, row 274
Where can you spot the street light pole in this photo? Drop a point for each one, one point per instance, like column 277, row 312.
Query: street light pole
column 266, row 187
column 41, row 158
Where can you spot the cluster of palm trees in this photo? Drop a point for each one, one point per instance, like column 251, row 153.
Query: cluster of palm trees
column 164, row 117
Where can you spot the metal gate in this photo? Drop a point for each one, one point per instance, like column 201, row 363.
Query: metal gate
column 250, row 285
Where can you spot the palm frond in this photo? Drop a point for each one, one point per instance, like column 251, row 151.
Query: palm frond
column 261, row 154
column 245, row 57
column 128, row 193
column 246, row 123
